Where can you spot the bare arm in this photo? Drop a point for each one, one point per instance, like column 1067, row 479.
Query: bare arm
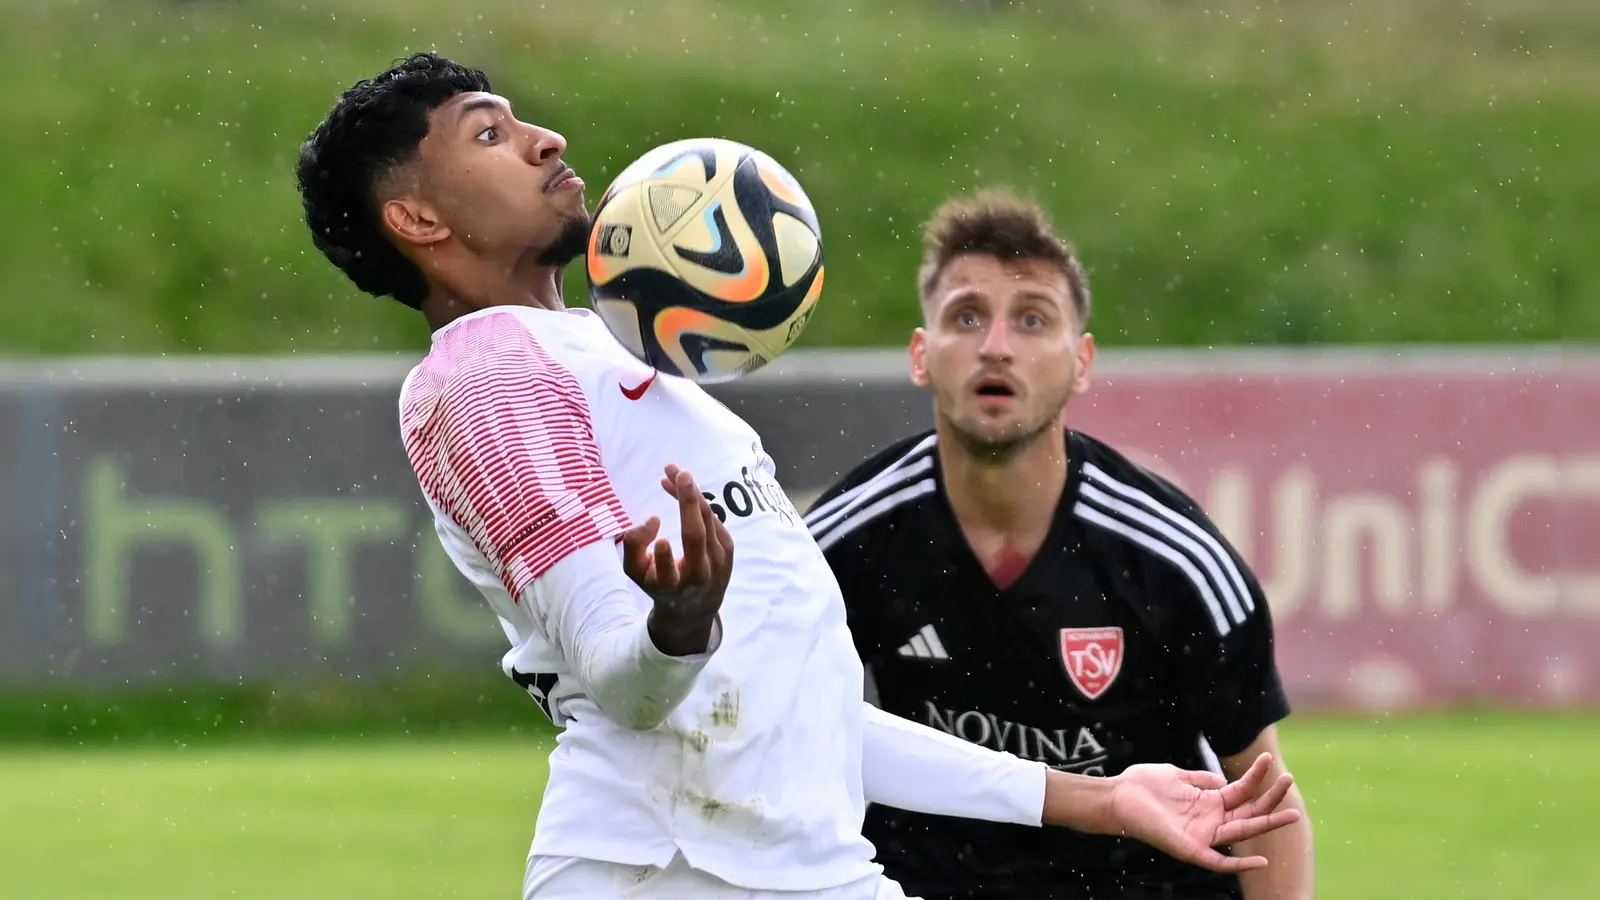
column 1290, row 874
column 1184, row 814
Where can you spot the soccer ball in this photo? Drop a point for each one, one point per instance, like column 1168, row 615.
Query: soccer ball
column 705, row 259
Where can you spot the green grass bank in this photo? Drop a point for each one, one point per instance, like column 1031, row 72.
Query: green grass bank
column 1233, row 172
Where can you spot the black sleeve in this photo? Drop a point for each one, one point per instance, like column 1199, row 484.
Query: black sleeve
column 1233, row 690
column 853, row 557
column 1218, row 628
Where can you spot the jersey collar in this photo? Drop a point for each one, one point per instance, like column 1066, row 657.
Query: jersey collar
column 579, row 311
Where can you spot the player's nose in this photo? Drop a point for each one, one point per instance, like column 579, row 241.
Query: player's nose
column 996, row 342
column 545, row 145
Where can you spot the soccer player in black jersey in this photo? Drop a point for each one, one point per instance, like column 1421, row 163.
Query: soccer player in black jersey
column 1024, row 586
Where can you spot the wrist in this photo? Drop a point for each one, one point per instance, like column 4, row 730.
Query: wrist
column 1079, row 802
column 680, row 636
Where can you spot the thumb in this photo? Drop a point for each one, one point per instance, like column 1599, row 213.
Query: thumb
column 1205, row 781
column 636, row 546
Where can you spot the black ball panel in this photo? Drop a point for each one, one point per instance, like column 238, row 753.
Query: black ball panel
column 699, row 322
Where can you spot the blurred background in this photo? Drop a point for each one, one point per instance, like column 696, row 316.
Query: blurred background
column 1347, row 290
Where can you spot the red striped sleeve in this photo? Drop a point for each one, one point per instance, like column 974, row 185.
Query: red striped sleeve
column 500, row 436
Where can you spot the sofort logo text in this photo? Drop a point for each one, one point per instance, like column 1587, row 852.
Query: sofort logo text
column 753, row 493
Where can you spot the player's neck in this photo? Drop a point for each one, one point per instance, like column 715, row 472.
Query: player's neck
column 1014, row 494
column 515, row 285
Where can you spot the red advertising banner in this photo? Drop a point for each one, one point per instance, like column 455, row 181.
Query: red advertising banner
column 1424, row 534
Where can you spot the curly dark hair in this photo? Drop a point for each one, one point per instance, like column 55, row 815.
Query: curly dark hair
column 375, row 128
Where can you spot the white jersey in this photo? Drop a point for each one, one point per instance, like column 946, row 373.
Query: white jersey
column 756, row 777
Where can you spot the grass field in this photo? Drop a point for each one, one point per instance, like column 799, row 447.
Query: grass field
column 1234, row 171
column 1477, row 808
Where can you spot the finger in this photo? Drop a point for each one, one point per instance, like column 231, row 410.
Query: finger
column 1270, row 800
column 1244, row 790
column 714, row 547
column 666, row 571
column 636, row 548
column 1245, row 829
column 639, row 567
column 1199, row 854
column 638, row 537
column 693, row 509
column 725, row 539
column 1222, row 862
column 669, row 481
column 722, row 553
column 647, row 529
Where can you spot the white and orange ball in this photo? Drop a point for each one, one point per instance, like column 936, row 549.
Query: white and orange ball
column 705, row 259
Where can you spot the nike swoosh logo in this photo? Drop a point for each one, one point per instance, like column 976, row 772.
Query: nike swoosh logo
column 637, row 392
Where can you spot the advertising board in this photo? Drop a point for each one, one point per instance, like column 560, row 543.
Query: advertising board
column 1426, row 524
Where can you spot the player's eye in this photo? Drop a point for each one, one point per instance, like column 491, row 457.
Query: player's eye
column 489, row 134
column 967, row 319
column 1032, row 321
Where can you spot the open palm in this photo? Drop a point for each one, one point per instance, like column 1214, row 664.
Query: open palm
column 1188, row 814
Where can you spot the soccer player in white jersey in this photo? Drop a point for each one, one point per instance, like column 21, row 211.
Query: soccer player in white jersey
column 714, row 739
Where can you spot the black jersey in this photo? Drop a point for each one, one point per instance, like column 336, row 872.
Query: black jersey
column 1136, row 634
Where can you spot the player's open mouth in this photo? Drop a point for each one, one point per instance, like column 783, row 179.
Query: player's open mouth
column 995, row 387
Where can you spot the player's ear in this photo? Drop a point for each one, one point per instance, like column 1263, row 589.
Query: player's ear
column 413, row 221
column 1085, row 355
column 918, row 352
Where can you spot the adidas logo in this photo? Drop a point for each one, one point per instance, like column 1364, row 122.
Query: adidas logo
column 925, row 645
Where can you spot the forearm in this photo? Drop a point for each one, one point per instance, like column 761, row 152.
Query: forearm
column 921, row 769
column 1290, row 873
column 632, row 681
column 594, row 616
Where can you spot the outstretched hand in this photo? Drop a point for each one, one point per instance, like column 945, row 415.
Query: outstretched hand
column 688, row 591
column 1188, row 814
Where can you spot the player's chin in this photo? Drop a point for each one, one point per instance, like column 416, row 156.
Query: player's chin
column 570, row 242
column 990, row 434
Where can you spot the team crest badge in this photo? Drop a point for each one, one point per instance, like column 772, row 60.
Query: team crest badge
column 1093, row 657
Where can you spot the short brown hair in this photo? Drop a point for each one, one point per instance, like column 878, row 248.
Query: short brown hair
column 996, row 222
